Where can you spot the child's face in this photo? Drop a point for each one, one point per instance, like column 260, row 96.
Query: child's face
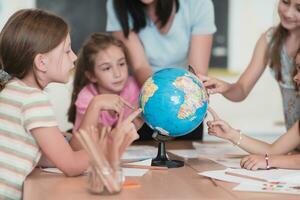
column 61, row 62
column 110, row 70
column 297, row 76
column 289, row 13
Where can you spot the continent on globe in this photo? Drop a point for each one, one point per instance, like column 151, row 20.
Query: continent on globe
column 193, row 99
column 148, row 92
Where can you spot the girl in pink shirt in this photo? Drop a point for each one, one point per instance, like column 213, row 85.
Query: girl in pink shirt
column 102, row 73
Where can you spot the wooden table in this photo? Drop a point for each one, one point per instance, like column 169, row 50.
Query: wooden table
column 179, row 183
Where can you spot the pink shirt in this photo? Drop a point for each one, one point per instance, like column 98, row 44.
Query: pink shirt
column 130, row 93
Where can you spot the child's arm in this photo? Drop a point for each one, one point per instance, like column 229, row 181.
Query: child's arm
column 59, row 152
column 285, row 161
column 282, row 145
column 239, row 91
column 254, row 162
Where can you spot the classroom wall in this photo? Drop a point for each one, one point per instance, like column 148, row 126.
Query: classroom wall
column 248, row 19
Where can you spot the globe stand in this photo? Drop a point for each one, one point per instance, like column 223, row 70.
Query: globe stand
column 162, row 158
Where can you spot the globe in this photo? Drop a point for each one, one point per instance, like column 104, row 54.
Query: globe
column 173, row 101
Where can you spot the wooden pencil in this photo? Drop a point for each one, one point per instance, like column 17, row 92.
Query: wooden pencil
column 144, row 167
column 245, row 176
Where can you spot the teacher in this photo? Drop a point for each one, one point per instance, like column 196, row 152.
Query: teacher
column 164, row 33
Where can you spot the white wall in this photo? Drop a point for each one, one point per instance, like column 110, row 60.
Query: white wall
column 248, row 19
column 8, row 7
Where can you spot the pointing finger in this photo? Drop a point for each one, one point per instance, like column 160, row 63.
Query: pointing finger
column 213, row 113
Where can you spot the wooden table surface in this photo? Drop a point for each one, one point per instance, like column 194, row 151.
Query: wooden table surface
column 178, row 183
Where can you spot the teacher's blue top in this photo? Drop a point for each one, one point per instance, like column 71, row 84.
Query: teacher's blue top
column 194, row 17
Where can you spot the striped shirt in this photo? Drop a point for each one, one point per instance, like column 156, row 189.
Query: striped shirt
column 22, row 108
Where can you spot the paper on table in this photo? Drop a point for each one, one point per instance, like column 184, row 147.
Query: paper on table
column 228, row 162
column 55, row 170
column 269, row 175
column 52, row 170
column 126, row 171
column 137, row 172
column 276, row 187
column 218, row 150
column 220, row 175
column 186, row 153
column 139, row 152
column 209, row 151
column 294, row 178
column 146, row 162
column 134, row 172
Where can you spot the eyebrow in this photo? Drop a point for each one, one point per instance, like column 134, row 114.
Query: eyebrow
column 103, row 64
column 123, row 58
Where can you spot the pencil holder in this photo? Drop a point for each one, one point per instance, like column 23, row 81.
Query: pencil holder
column 106, row 181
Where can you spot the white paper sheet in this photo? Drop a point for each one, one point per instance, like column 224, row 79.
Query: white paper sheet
column 217, row 150
column 269, row 175
column 228, row 162
column 134, row 172
column 278, row 187
column 185, row 153
column 146, row 162
column 126, row 171
column 52, row 170
column 221, row 175
column 137, row 172
column 139, row 152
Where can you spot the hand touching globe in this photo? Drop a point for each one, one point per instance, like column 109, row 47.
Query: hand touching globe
column 174, row 102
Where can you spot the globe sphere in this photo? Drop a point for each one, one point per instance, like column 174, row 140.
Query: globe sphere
column 174, row 101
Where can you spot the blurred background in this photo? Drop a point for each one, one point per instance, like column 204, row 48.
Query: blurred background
column 239, row 25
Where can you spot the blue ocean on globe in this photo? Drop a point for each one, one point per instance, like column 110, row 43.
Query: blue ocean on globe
column 174, row 102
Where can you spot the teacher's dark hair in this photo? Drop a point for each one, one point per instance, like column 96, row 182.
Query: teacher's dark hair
column 136, row 9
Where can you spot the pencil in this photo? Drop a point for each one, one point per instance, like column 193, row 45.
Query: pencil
column 245, row 176
column 213, row 182
column 144, row 167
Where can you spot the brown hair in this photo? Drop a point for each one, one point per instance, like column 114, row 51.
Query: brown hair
column 295, row 68
column 274, row 49
column 27, row 33
column 86, row 61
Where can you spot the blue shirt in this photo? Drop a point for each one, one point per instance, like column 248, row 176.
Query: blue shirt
column 194, row 17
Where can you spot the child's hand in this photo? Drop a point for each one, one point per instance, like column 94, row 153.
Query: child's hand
column 214, row 85
column 122, row 136
column 253, row 162
column 112, row 102
column 219, row 128
column 124, row 126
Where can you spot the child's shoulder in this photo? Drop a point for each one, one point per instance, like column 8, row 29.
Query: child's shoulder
column 268, row 34
column 131, row 89
column 17, row 88
column 86, row 94
column 23, row 96
column 88, row 90
column 132, row 83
